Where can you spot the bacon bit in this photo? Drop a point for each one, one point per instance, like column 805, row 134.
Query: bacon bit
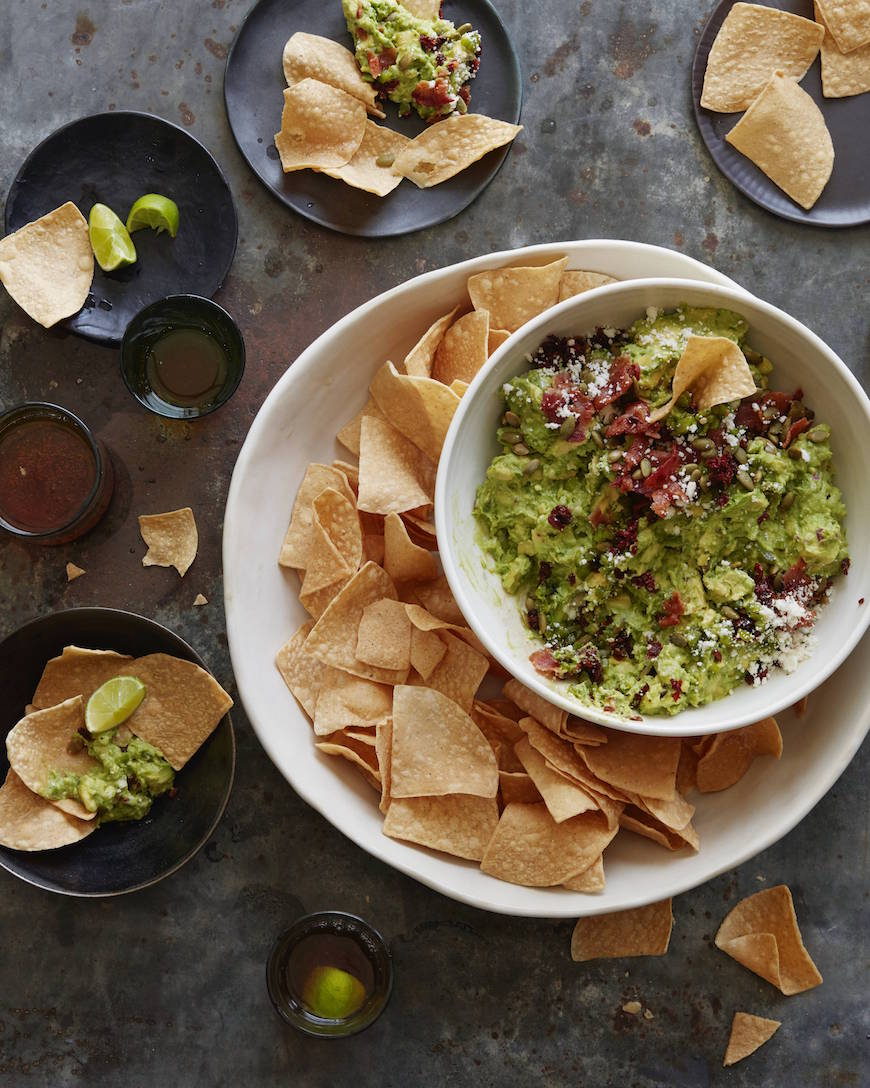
column 544, row 662
column 860, row 600
column 464, row 93
column 625, row 539
column 429, row 43
column 673, row 610
column 359, row 11
column 653, row 649
column 795, row 575
column 846, row 563
column 380, row 62
column 623, row 374
column 361, row 34
column 436, row 96
column 637, row 698
column 645, row 581
column 717, row 656
column 798, row 427
column 560, row 517
column 722, row 470
column 609, row 708
column 676, row 690
column 635, row 420
column 770, row 404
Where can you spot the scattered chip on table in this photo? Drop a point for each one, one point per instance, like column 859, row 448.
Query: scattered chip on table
column 553, row 717
column 199, row 600
column 513, row 296
column 748, row 1033
column 761, row 932
column 753, row 42
column 321, row 126
column 495, row 340
column 784, row 133
column 843, row 74
column 47, row 266
column 172, row 539
column 73, row 572
column 310, row 56
column 446, row 149
column 641, row 931
column 29, row 822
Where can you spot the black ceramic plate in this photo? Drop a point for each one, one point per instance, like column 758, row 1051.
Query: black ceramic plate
column 120, row 857
column 114, row 158
column 253, row 87
column 845, row 201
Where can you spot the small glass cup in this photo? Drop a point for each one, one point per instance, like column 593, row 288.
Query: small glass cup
column 175, row 314
column 328, row 927
column 97, row 500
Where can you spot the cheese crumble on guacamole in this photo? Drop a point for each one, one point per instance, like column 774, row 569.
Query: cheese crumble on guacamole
column 661, row 563
column 424, row 64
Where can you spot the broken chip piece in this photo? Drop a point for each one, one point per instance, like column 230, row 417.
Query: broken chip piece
column 748, row 1033
column 172, row 539
column 641, row 931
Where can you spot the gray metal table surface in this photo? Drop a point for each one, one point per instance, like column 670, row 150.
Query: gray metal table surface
column 166, row 986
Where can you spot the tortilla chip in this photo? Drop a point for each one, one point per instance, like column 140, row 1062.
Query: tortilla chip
column 589, row 881
column 636, row 763
column 563, row 799
column 40, row 743
column 347, row 700
column 456, row 824
column 394, row 474
column 674, row 814
column 172, row 539
column 583, row 732
column 530, row 848
column 784, row 133
column 459, row 387
column 464, row 349
column 384, row 635
column 427, row 650
column 687, row 768
column 310, row 56
column 404, row 560
column 355, row 753
column 517, row 787
column 459, row 673
column 419, row 408
column 199, row 600
column 848, row 22
column 843, row 74
column 752, row 43
column 444, row 150
column 423, row 9
column 339, row 519
column 536, row 707
column 321, row 127
column 495, row 726
column 317, row 602
column 437, row 748
column 716, row 371
column 302, row 672
column 762, row 933
column 370, row 169
column 297, row 545
column 333, row 638
column 565, row 759
column 421, row 531
column 730, row 755
column 47, row 266
column 383, row 749
column 73, row 572
column 76, row 672
column 642, row 822
column 326, row 565
column 436, row 597
column 183, row 705
column 641, row 931
column 576, row 283
column 419, row 360
column 495, row 340
column 514, row 296
column 349, row 434
column 748, row 1033
column 29, row 822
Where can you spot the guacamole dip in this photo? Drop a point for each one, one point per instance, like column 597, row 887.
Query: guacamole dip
column 420, row 63
column 130, row 775
column 660, row 564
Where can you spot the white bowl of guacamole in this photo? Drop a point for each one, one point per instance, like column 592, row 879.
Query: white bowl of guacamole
column 679, row 577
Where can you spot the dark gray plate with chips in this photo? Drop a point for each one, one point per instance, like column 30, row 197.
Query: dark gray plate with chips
column 118, row 857
column 253, row 87
column 845, row 200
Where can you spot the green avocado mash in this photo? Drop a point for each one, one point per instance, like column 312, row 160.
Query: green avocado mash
column 661, row 564
column 131, row 774
column 420, row 63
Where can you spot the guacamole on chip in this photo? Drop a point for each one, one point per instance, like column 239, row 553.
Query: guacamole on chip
column 662, row 558
column 421, row 64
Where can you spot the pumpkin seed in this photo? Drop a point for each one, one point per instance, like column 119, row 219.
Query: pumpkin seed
column 520, row 450
column 531, row 467
column 740, row 455
column 511, row 419
column 703, row 444
column 729, row 613
column 681, row 641
column 786, row 500
column 795, row 454
column 818, row 434
column 385, row 160
column 645, row 467
column 597, row 439
column 744, row 479
column 569, row 425
column 614, row 456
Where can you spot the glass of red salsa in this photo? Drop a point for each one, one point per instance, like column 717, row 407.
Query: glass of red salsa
column 56, row 477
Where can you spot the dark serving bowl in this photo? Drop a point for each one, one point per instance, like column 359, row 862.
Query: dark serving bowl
column 119, row 857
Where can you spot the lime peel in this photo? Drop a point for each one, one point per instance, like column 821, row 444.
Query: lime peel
column 155, row 211
column 332, row 993
column 113, row 703
column 112, row 245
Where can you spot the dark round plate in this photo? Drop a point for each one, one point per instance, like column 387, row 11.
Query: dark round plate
column 845, row 201
column 119, row 857
column 254, row 83
column 114, row 158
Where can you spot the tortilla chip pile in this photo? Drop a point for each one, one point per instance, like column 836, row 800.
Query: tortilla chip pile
column 324, row 126
column 390, row 675
column 759, row 57
column 183, row 704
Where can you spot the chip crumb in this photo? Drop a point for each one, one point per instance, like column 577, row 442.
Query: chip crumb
column 648, row 1014
column 199, row 599
column 632, row 1007
column 73, row 572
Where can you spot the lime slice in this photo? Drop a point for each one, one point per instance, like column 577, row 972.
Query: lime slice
column 110, row 241
column 332, row 993
column 155, row 211
column 113, row 703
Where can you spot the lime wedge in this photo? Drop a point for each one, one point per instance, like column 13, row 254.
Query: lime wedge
column 110, row 241
column 155, row 211
column 332, row 993
column 113, row 703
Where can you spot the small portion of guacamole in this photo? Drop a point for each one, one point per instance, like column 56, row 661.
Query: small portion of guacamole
column 131, row 774
column 420, row 63
column 661, row 564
